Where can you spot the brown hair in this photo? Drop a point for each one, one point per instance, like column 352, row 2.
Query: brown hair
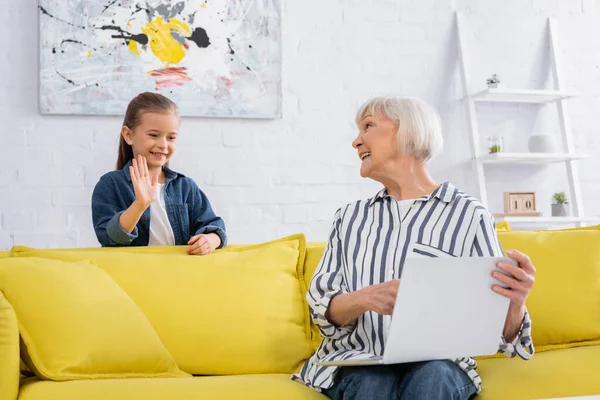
column 142, row 103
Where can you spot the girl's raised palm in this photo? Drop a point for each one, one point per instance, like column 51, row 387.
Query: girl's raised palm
column 144, row 186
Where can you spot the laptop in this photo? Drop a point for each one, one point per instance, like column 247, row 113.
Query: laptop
column 445, row 309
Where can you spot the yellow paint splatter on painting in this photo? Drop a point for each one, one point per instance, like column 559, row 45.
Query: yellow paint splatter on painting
column 133, row 47
column 89, row 54
column 163, row 44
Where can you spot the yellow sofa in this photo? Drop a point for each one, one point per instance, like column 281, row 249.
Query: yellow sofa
column 250, row 355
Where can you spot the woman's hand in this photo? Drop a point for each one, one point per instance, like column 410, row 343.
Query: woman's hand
column 521, row 279
column 203, row 244
column 144, row 186
column 381, row 298
column 345, row 308
column 518, row 285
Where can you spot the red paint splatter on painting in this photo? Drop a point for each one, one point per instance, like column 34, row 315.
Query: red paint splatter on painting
column 170, row 77
column 227, row 82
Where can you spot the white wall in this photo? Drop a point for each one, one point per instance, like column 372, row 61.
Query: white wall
column 272, row 178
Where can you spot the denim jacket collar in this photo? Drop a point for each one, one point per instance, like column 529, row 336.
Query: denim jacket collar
column 169, row 173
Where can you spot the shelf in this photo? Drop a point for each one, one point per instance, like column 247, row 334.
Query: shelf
column 520, row 95
column 547, row 220
column 530, row 158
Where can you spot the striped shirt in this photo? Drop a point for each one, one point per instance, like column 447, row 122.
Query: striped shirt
column 369, row 243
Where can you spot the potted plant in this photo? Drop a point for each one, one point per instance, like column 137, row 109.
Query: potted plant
column 493, row 82
column 495, row 148
column 495, row 144
column 559, row 208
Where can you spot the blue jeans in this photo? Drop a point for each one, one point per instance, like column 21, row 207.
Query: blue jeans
column 425, row 380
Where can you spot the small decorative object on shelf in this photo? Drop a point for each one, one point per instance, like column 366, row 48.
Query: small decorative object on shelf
column 493, row 82
column 495, row 144
column 542, row 144
column 559, row 208
column 519, row 204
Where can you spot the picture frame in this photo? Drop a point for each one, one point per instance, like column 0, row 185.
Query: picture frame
column 520, row 204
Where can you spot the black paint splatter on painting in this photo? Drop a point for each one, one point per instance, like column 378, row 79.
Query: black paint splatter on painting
column 200, row 37
column 76, row 42
column 108, row 6
column 232, row 52
column 140, row 38
column 138, row 9
column 73, row 83
column 72, row 41
column 65, row 78
column 43, row 10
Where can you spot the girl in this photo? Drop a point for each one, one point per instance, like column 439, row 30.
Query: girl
column 143, row 202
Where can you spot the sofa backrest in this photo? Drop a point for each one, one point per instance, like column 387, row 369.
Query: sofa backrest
column 240, row 311
column 565, row 300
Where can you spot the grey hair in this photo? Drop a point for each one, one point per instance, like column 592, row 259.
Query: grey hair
column 419, row 126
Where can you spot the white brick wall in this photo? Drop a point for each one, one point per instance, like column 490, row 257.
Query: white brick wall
column 273, row 178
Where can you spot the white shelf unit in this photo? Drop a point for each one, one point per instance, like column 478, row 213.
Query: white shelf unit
column 556, row 95
column 546, row 220
column 529, row 158
column 520, row 96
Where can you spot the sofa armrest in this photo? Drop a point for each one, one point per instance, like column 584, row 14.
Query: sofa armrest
column 9, row 351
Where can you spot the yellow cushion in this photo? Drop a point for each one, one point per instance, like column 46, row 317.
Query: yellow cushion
column 239, row 311
column 9, row 351
column 237, row 387
column 552, row 374
column 584, row 228
column 503, row 226
column 77, row 323
column 4, row 254
column 565, row 300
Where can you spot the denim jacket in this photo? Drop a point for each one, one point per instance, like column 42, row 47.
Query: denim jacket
column 188, row 209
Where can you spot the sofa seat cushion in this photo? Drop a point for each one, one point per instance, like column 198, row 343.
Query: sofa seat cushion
column 234, row 387
column 557, row 373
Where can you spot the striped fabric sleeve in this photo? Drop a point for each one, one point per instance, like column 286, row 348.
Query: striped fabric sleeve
column 328, row 282
column 486, row 244
column 523, row 345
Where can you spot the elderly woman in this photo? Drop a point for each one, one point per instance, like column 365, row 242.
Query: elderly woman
column 351, row 296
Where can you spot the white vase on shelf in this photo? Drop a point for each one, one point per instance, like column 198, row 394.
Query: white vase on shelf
column 559, row 210
column 542, row 144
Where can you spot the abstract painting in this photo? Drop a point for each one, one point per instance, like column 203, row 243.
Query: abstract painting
column 214, row 58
